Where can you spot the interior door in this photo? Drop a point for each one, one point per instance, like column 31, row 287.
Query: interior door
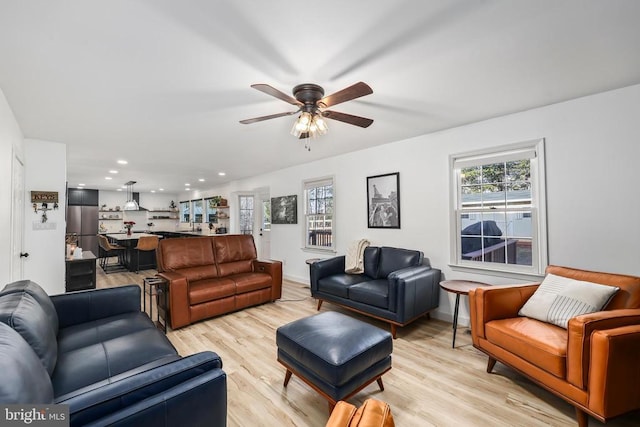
column 17, row 219
column 265, row 227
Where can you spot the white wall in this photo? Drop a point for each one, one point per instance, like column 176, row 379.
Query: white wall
column 151, row 201
column 11, row 141
column 593, row 201
column 45, row 170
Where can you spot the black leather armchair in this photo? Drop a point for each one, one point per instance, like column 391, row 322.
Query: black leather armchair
column 98, row 353
column 398, row 286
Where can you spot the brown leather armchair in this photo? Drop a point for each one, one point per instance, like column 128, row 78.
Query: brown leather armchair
column 372, row 413
column 594, row 364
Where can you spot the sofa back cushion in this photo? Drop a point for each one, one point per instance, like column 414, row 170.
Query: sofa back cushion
column 392, row 259
column 628, row 296
column 23, row 313
column 371, row 257
column 234, row 253
column 33, row 289
column 24, row 379
column 192, row 257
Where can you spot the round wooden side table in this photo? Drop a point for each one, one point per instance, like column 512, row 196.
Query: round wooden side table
column 459, row 287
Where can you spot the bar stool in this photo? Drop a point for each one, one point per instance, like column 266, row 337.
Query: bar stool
column 108, row 250
column 146, row 244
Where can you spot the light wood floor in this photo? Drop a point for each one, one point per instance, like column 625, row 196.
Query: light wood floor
column 430, row 383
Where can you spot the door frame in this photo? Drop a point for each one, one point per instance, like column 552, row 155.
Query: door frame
column 16, row 265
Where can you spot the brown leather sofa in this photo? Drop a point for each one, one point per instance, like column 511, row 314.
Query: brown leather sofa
column 594, row 364
column 209, row 276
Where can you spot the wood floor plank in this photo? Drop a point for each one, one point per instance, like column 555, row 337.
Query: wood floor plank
column 430, row 383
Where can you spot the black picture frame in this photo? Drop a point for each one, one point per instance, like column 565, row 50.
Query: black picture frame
column 284, row 210
column 383, row 201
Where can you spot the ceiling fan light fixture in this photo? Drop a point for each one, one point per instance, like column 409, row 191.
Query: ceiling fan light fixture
column 311, row 124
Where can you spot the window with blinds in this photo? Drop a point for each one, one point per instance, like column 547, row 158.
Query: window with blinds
column 319, row 214
column 498, row 210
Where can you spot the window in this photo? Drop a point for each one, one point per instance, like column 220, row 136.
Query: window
column 266, row 215
column 185, row 211
column 246, row 214
column 197, row 210
column 499, row 214
column 319, row 210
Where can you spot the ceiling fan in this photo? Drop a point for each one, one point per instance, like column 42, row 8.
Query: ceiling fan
column 311, row 102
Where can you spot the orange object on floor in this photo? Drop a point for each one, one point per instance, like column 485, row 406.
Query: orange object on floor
column 372, row 413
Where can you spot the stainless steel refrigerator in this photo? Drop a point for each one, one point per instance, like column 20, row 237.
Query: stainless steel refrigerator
column 83, row 220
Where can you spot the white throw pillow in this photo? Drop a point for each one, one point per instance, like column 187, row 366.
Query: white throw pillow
column 558, row 299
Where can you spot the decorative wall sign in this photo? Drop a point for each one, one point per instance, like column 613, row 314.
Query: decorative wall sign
column 44, row 197
column 41, row 201
column 383, row 200
column 284, row 210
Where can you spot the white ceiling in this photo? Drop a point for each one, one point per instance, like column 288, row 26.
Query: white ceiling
column 163, row 83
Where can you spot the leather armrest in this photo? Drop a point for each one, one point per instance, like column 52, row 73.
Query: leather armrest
column 413, row 290
column 274, row 269
column 84, row 306
column 101, row 401
column 325, row 268
column 496, row 302
column 580, row 330
column 613, row 373
column 178, row 298
column 198, row 401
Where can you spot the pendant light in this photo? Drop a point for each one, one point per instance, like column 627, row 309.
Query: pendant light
column 130, row 205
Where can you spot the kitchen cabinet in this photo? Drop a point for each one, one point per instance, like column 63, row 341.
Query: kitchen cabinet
column 80, row 272
column 82, row 197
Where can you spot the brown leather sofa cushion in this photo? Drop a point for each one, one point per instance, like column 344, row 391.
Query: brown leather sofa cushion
column 543, row 344
column 210, row 289
column 247, row 282
column 234, row 254
column 192, row 257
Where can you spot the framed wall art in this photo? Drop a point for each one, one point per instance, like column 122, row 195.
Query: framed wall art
column 284, row 210
column 383, row 200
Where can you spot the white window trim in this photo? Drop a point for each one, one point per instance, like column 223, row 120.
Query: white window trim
column 539, row 250
column 314, row 182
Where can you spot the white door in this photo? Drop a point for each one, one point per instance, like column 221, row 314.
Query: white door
column 17, row 219
column 265, row 228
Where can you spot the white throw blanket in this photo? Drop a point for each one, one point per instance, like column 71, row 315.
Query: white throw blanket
column 354, row 259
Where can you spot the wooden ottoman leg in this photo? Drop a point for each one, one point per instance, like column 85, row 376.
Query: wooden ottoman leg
column 287, row 377
column 380, row 384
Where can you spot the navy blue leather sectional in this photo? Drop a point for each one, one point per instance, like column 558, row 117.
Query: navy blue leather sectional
column 98, row 353
column 398, row 285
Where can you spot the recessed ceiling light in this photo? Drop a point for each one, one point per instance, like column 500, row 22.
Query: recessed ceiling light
column 153, row 191
column 161, row 189
column 113, row 171
column 122, row 162
column 186, row 184
column 201, row 179
column 81, row 185
column 119, row 189
column 80, row 188
column 107, row 177
column 222, row 173
column 124, row 186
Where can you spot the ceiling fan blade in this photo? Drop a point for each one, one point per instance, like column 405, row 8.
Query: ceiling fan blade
column 270, row 90
column 271, row 116
column 348, row 118
column 347, row 94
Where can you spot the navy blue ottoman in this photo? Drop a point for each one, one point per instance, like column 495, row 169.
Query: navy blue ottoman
column 335, row 354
